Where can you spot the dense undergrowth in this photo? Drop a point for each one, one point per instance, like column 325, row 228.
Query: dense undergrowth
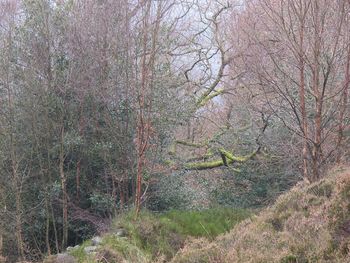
column 158, row 237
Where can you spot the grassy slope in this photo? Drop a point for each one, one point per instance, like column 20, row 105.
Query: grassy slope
column 158, row 237
column 310, row 223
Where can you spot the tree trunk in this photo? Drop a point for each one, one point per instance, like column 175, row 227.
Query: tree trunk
column 19, row 230
column 1, row 244
column 64, row 194
column 77, row 179
column 142, row 122
column 54, row 228
column 316, row 152
column 47, row 227
column 343, row 108
column 121, row 193
column 302, row 99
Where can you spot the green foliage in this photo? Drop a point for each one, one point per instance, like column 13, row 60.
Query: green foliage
column 258, row 184
column 171, row 192
column 101, row 204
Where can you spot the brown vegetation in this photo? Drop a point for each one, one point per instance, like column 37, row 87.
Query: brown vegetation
column 310, row 223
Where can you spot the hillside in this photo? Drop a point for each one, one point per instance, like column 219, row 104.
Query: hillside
column 152, row 237
column 310, row 223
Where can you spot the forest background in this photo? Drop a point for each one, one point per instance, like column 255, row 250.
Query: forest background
column 113, row 105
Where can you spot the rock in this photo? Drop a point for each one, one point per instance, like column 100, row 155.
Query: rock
column 96, row 241
column 77, row 246
column 90, row 249
column 120, row 232
column 69, row 248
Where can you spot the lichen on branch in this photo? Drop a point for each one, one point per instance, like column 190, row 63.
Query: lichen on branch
column 192, row 144
column 234, row 158
column 203, row 100
column 230, row 159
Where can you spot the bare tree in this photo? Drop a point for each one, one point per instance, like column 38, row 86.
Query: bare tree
column 292, row 55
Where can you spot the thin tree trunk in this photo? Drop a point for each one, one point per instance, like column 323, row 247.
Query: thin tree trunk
column 19, row 230
column 343, row 108
column 302, row 101
column 114, row 191
column 316, row 151
column 1, row 245
column 64, row 194
column 47, row 227
column 125, row 183
column 121, row 194
column 54, row 229
column 139, row 184
column 142, row 126
column 77, row 179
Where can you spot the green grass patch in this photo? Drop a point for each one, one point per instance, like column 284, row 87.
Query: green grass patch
column 206, row 223
column 165, row 233
column 159, row 235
